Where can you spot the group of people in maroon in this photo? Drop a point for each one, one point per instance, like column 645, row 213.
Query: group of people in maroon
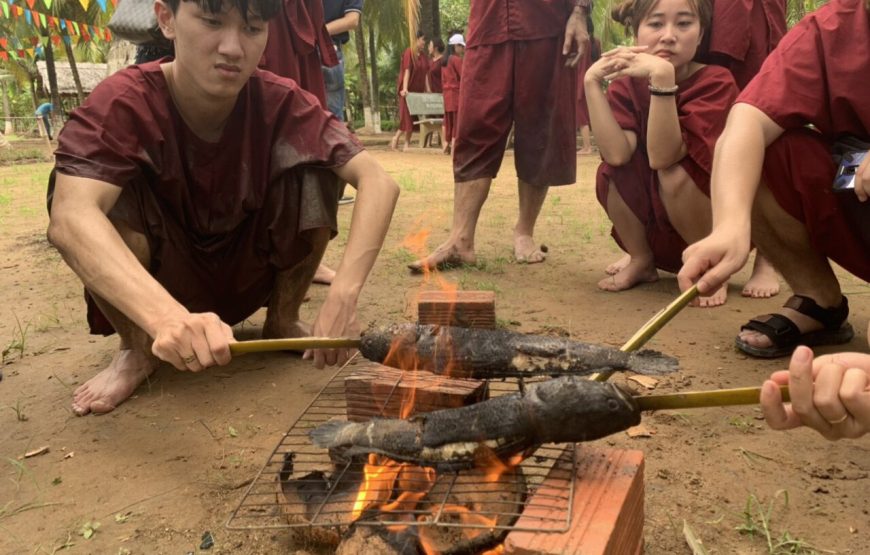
column 191, row 191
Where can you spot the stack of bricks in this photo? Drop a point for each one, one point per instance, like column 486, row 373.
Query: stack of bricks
column 467, row 309
column 374, row 390
column 607, row 517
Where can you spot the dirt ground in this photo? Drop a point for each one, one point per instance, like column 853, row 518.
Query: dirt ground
column 173, row 462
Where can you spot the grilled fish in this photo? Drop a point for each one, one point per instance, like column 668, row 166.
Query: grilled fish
column 564, row 409
column 493, row 354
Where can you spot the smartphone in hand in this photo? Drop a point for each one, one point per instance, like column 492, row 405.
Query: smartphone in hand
column 845, row 178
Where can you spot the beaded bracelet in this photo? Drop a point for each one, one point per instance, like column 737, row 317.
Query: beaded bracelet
column 658, row 91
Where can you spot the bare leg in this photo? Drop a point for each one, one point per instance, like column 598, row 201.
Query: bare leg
column 531, row 200
column 764, row 282
column 133, row 362
column 282, row 315
column 468, row 199
column 407, row 143
column 640, row 267
column 394, row 142
column 787, row 244
column 691, row 214
column 586, row 135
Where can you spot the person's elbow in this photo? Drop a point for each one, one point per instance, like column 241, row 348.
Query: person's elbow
column 353, row 19
column 615, row 157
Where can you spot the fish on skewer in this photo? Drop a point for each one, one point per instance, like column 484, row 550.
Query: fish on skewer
column 564, row 409
column 494, row 354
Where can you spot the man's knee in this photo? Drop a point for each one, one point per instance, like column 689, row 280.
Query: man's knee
column 674, row 182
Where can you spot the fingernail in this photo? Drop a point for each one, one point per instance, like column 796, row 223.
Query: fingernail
column 802, row 354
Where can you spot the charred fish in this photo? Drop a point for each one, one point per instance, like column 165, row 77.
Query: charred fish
column 565, row 409
column 493, row 354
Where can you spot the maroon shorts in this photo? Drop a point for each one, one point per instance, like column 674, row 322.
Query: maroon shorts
column 525, row 84
column 799, row 171
column 638, row 186
column 231, row 275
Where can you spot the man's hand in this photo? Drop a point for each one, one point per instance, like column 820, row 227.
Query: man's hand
column 714, row 259
column 829, row 394
column 403, row 92
column 193, row 341
column 576, row 37
column 337, row 318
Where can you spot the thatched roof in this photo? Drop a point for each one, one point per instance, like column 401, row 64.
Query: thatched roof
column 90, row 74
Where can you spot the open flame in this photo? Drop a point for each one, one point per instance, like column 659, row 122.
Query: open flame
column 397, row 489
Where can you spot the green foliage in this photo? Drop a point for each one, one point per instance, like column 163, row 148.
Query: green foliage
column 756, row 522
column 454, row 15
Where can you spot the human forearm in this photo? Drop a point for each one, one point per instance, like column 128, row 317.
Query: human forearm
column 406, row 77
column 376, row 198
column 95, row 251
column 737, row 165
column 349, row 22
column 615, row 148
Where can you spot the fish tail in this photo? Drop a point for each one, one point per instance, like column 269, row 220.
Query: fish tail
column 330, row 434
column 652, row 363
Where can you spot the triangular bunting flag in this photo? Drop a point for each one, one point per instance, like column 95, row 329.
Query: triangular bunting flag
column 48, row 3
column 62, row 24
column 3, row 42
column 36, row 21
column 76, row 27
column 85, row 4
column 66, row 39
column 30, row 3
column 28, row 17
column 4, row 56
column 102, row 4
column 43, row 20
column 5, row 7
column 108, row 34
column 55, row 39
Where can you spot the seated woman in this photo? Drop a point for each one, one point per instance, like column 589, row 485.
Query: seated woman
column 656, row 129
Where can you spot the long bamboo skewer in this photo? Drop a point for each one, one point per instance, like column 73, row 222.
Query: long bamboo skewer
column 293, row 344
column 702, row 399
column 652, row 327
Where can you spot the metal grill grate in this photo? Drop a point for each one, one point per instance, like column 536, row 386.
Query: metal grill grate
column 333, row 485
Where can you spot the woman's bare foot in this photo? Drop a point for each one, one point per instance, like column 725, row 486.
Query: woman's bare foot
column 406, row 146
column 764, row 282
column 526, row 251
column 716, row 299
column 114, row 384
column 446, row 256
column 618, row 266
column 585, row 151
column 324, row 275
column 394, row 143
column 634, row 273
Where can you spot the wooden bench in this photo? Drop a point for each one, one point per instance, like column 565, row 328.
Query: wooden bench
column 429, row 109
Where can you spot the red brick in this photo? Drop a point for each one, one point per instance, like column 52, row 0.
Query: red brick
column 376, row 390
column 468, row 309
column 607, row 516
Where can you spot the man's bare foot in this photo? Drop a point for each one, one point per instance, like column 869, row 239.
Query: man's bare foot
column 634, row 273
column 114, row 384
column 406, row 146
column 394, row 143
column 446, row 256
column 716, row 299
column 526, row 251
column 274, row 329
column 618, row 266
column 324, row 275
column 764, row 281
column 585, row 151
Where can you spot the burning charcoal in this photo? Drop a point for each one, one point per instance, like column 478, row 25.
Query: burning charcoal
column 566, row 409
column 493, row 354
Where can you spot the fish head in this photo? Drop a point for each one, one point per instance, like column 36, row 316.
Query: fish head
column 584, row 410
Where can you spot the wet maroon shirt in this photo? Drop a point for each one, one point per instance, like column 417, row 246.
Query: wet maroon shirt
column 128, row 130
column 498, row 21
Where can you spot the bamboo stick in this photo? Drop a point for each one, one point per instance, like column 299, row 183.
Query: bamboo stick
column 293, row 344
column 701, row 399
column 648, row 330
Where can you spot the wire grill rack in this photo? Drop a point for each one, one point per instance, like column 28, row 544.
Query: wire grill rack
column 330, row 487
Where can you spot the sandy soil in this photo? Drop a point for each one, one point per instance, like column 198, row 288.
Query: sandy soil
column 173, row 462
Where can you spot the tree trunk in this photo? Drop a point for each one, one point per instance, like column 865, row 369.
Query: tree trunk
column 75, row 70
column 376, row 87
column 7, row 111
column 365, row 92
column 430, row 18
column 52, row 74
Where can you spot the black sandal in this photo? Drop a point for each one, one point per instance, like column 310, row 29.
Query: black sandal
column 785, row 335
